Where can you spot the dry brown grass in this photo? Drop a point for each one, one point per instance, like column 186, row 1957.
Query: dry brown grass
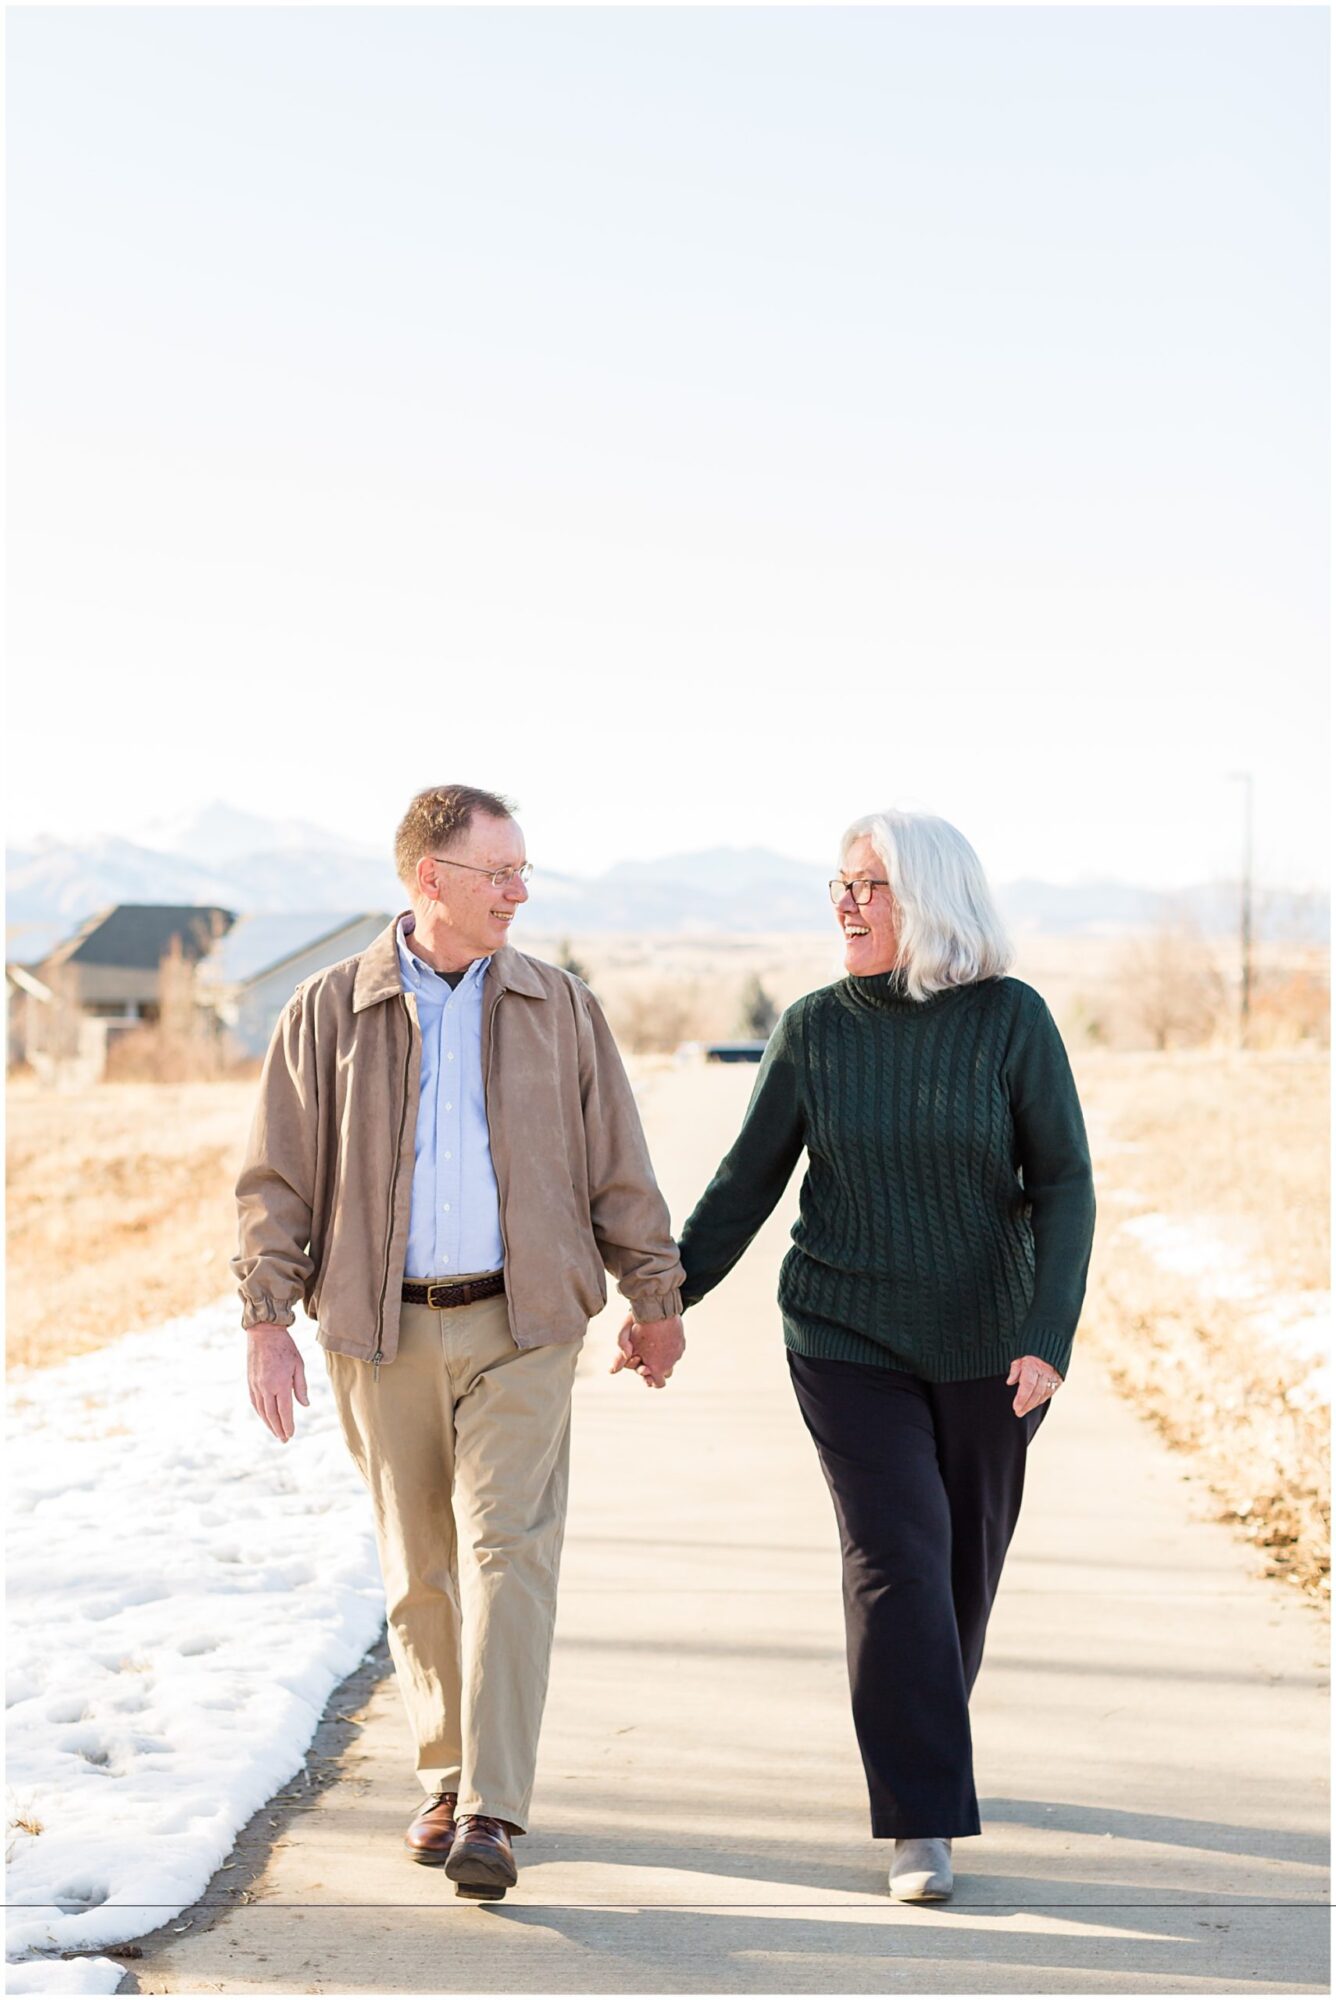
column 121, row 1214
column 1126, row 990
column 659, row 991
column 1240, row 1143
column 1095, row 986
column 120, row 1211
column 1244, row 1138
column 23, row 1821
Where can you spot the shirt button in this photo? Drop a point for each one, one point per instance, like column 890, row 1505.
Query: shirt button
column 449, row 1107
column 449, row 1156
column 449, row 1055
column 446, row 1209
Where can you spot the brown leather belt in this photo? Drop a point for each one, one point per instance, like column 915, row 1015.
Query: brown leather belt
column 461, row 1292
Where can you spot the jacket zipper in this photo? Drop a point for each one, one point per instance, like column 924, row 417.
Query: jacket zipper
column 486, row 1094
column 378, row 1356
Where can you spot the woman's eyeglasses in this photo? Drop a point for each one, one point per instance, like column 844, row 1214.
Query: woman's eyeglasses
column 860, row 888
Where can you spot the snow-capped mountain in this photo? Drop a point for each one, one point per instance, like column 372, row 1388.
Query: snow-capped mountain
column 249, row 864
column 225, row 834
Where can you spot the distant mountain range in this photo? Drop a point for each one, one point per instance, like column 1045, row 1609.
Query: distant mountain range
column 248, row 863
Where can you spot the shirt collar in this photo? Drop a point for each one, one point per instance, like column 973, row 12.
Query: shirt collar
column 421, row 977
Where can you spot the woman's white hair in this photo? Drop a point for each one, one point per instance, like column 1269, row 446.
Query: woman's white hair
column 950, row 933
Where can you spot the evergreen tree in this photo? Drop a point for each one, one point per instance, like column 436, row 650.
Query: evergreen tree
column 759, row 1012
column 568, row 962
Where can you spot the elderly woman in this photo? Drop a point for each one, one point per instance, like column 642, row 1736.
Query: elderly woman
column 931, row 1294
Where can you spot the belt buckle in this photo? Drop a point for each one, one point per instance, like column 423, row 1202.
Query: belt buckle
column 435, row 1304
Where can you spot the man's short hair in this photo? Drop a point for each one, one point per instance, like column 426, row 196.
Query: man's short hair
column 440, row 817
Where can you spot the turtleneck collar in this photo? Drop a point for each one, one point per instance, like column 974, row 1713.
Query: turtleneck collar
column 885, row 993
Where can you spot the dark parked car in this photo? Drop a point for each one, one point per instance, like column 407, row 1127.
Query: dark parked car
column 734, row 1051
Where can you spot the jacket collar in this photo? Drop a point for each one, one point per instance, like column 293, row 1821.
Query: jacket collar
column 378, row 975
column 512, row 972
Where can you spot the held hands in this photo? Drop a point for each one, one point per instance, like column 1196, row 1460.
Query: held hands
column 653, row 1348
column 274, row 1374
column 1039, row 1383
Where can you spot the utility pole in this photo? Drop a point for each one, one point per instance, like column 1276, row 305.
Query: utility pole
column 1245, row 778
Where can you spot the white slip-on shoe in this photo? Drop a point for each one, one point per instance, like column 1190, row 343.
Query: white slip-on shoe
column 921, row 1871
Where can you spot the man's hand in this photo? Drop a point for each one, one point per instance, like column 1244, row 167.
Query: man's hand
column 274, row 1374
column 652, row 1347
column 1038, row 1383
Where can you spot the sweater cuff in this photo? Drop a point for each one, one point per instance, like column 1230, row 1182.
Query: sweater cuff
column 1047, row 1343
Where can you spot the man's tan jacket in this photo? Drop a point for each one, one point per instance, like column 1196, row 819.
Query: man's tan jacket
column 324, row 1193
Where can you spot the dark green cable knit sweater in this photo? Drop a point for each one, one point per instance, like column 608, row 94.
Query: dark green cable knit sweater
column 947, row 1212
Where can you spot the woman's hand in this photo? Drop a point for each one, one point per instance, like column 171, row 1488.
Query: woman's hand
column 1039, row 1383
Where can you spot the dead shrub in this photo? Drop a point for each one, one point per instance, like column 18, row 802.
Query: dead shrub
column 654, row 1016
column 1210, row 1388
column 1292, row 1007
column 55, row 1037
column 147, row 1055
column 1169, row 986
column 183, row 1045
column 1235, row 1144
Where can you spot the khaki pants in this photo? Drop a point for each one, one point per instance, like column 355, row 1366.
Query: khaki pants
column 464, row 1442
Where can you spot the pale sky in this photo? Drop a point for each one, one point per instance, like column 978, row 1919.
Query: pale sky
column 705, row 425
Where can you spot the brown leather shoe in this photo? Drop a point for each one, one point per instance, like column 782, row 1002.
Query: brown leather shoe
column 481, row 1863
column 431, row 1832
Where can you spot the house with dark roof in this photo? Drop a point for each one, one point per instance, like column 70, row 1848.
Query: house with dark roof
column 110, row 968
column 252, row 972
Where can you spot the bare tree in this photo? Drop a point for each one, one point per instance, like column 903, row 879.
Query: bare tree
column 656, row 1016
column 1171, row 986
column 57, row 1024
column 183, row 1044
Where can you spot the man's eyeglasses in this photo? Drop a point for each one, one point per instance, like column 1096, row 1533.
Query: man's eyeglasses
column 860, row 888
column 499, row 878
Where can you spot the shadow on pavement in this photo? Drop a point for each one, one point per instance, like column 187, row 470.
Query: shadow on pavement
column 1011, row 1663
column 1267, row 1843
column 784, row 1951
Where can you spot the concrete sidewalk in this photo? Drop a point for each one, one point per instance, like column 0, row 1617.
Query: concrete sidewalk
column 1150, row 1725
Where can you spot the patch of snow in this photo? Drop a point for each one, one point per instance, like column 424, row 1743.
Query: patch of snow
column 64, row 1975
column 1122, row 1197
column 184, row 1594
column 1300, row 1322
column 1315, row 1389
column 1196, row 1250
column 1297, row 1323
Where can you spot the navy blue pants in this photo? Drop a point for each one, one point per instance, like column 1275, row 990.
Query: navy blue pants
column 927, row 1480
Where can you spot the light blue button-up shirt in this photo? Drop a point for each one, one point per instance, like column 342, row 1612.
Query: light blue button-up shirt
column 454, row 1217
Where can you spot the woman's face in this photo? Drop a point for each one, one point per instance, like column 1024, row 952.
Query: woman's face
column 869, row 929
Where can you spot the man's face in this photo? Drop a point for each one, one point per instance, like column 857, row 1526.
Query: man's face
column 458, row 879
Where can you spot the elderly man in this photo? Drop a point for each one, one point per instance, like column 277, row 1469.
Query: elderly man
column 445, row 1157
